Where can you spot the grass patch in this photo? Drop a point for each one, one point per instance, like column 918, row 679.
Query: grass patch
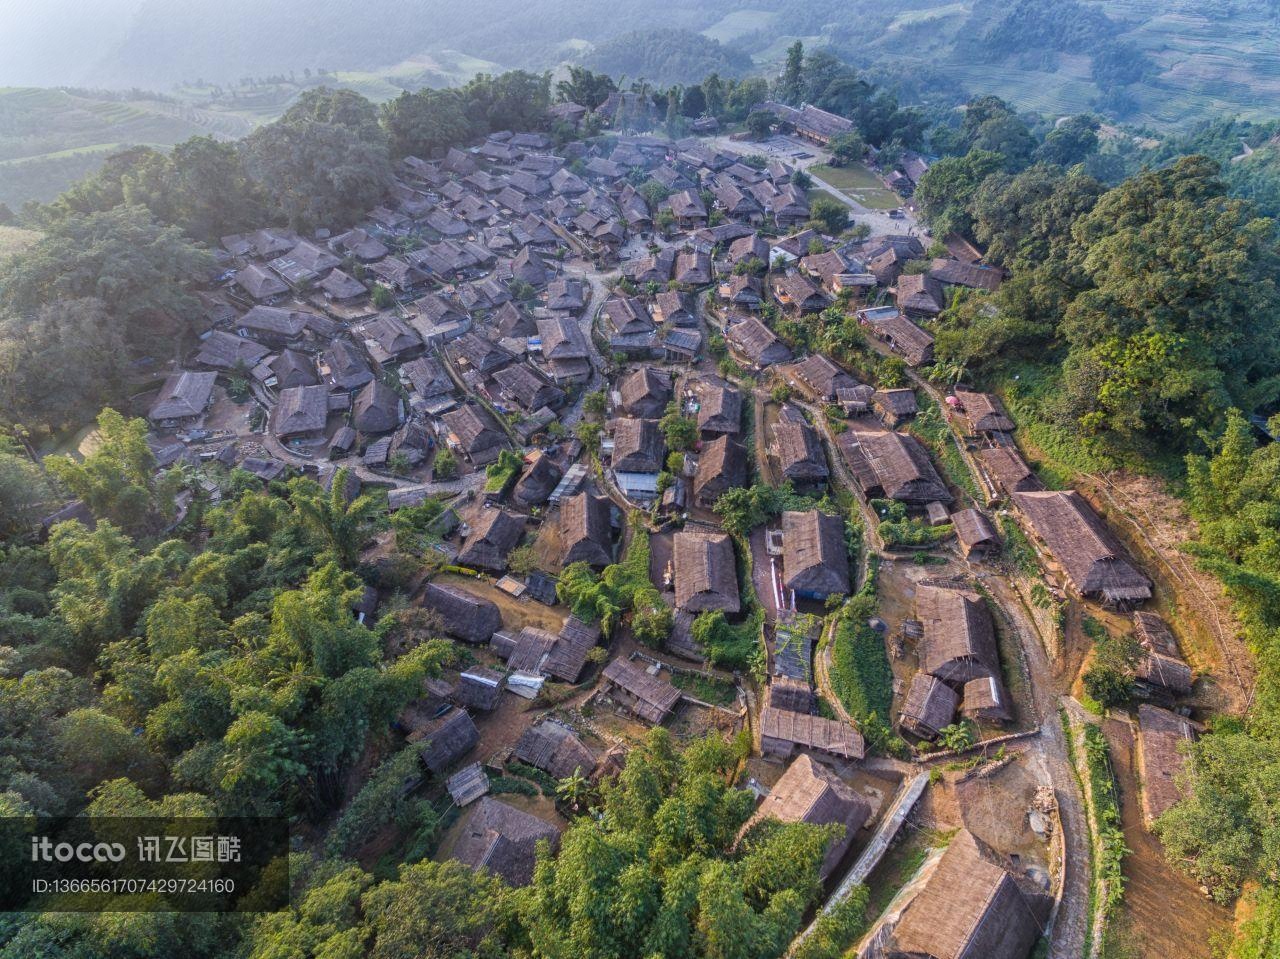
column 714, row 691
column 931, row 428
column 861, row 676
column 1104, row 797
column 858, row 183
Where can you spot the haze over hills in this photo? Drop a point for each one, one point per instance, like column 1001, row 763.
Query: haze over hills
column 1157, row 66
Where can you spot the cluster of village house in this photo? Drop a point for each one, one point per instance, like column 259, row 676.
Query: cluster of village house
column 491, row 333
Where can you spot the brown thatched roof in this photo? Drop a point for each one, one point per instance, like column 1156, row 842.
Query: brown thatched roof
column 973, row 529
column 984, row 412
column 479, row 688
column 537, row 482
column 706, row 573
column 821, row 378
column 810, row 792
column 814, row 732
column 495, row 534
column 447, row 740
column 929, row 706
column 650, row 698
column 1161, row 663
column 466, row 616
column 959, row 641
column 502, row 840
column 554, row 748
column 1161, row 735
column 585, row 532
column 986, row 700
column 529, row 650
column 920, row 295
column 474, row 428
column 971, row 905
column 637, row 445
column 891, row 465
column 799, row 452
column 793, row 694
column 645, row 392
column 719, row 407
column 756, row 343
column 815, row 558
column 569, row 654
column 1081, row 543
column 1007, row 470
column 722, row 465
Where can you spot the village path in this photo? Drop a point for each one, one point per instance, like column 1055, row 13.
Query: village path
column 1049, row 752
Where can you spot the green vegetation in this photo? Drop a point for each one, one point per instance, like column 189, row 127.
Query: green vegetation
column 1104, row 798
column 931, row 428
column 839, row 930
column 502, row 472
column 605, row 597
column 728, row 646
column 898, row 529
column 858, row 183
column 860, row 673
column 709, row 690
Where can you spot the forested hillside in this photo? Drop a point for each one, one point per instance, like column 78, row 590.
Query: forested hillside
column 182, row 652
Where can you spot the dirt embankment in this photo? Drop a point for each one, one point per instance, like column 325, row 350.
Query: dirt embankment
column 1153, row 524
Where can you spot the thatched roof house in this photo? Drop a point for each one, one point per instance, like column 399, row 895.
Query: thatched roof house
column 798, row 452
column 984, row 413
column 719, row 407
column 810, row 792
column 1161, row 663
column 973, row 904
column 985, row 700
column 959, row 641
column 585, row 530
column 889, row 465
column 820, row 378
column 793, row 694
column 476, row 434
column 645, row 392
column 1007, row 471
column 974, row 532
column 300, row 411
column 183, row 398
column 466, row 616
column 756, row 344
column 542, row 653
column 479, row 688
column 1083, row 546
column 706, row 573
column 905, row 338
column 895, row 406
column 537, row 482
column 929, row 706
column 495, row 534
column 920, row 295
column 520, row 385
column 554, row 748
column 782, row 732
column 377, row 408
column 1161, row 760
column 722, row 465
column 637, row 445
column 815, row 557
column 445, row 741
column 647, row 697
column 502, row 840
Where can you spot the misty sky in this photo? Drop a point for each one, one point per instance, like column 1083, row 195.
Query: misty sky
column 58, row 42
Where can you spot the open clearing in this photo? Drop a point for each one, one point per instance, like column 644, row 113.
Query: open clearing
column 859, row 184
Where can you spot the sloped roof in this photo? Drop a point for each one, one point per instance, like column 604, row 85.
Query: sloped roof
column 722, row 465
column 706, row 574
column 300, row 409
column 1081, row 542
column 959, row 641
column 971, row 905
column 585, row 530
column 654, row 698
column 893, row 463
column 813, row 732
column 184, row 395
column 815, row 557
column 929, row 706
column 502, row 840
column 495, row 534
column 554, row 748
column 466, row 616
